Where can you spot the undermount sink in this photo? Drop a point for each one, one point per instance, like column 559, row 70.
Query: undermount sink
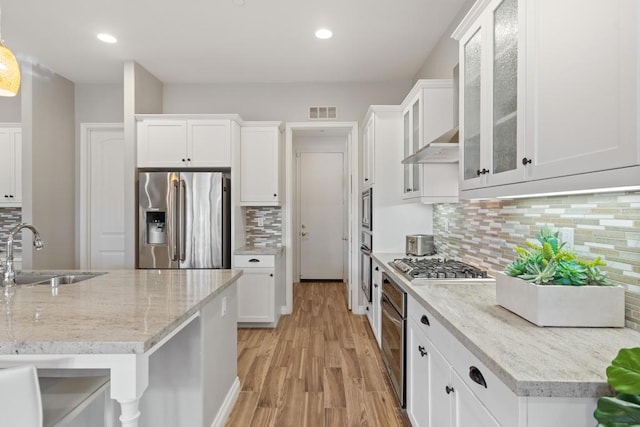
column 53, row 279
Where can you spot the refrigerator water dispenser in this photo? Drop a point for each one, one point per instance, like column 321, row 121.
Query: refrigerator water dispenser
column 156, row 228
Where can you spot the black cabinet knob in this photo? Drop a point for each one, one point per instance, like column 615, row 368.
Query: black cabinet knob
column 482, row 171
column 6, row 196
column 425, row 320
column 271, row 275
column 476, row 376
column 377, row 268
column 275, row 195
column 449, row 390
column 188, row 159
column 11, row 196
column 375, row 285
column 408, row 190
column 184, row 160
column 526, row 161
column 422, row 351
column 366, row 179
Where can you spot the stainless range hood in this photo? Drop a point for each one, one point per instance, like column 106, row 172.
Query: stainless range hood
column 445, row 148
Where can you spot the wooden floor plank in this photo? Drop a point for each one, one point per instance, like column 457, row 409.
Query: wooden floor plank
column 319, row 367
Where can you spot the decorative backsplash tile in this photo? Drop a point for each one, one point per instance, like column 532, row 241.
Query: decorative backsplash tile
column 8, row 218
column 605, row 224
column 269, row 233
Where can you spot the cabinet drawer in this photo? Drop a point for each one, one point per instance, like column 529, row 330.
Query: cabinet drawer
column 501, row 402
column 428, row 324
column 253, row 261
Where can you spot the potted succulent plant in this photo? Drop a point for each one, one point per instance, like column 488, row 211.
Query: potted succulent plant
column 549, row 286
column 623, row 375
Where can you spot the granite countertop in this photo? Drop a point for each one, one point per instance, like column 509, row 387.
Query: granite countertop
column 259, row 250
column 119, row 312
column 530, row 360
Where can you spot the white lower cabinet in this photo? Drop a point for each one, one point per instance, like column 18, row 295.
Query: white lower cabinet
column 376, row 294
column 436, row 396
column 448, row 386
column 259, row 288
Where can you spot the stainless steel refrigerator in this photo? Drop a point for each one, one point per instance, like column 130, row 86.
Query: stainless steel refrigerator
column 184, row 220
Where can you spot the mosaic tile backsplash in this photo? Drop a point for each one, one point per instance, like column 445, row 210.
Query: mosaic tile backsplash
column 605, row 224
column 267, row 234
column 8, row 218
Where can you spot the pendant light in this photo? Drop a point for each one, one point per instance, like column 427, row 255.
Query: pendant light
column 9, row 70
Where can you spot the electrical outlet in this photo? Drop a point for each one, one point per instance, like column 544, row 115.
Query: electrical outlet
column 566, row 236
column 260, row 221
column 223, row 311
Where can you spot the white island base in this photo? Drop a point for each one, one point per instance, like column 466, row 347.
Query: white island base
column 187, row 378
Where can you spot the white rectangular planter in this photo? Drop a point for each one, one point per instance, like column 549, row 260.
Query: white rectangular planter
column 558, row 305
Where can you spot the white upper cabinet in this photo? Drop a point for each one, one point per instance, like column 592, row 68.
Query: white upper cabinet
column 427, row 112
column 368, row 153
column 181, row 143
column 11, row 166
column 548, row 93
column 260, row 164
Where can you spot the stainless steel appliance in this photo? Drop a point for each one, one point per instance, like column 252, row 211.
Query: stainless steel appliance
column 433, row 268
column 367, row 209
column 393, row 335
column 417, row 271
column 420, row 245
column 365, row 264
column 184, row 220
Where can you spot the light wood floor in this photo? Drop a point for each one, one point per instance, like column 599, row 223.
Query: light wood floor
column 320, row 367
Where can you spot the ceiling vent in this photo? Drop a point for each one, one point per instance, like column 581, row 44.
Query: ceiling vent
column 323, row 113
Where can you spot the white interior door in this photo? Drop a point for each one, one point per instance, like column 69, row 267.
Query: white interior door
column 106, row 198
column 321, row 216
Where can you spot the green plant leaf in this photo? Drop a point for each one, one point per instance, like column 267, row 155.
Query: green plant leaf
column 620, row 411
column 624, row 372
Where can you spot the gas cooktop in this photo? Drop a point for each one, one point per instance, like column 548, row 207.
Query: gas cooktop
column 436, row 268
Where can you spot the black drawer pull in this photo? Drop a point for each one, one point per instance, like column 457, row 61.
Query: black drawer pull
column 526, row 161
column 449, row 390
column 476, row 376
column 422, row 351
column 254, row 260
column 424, row 319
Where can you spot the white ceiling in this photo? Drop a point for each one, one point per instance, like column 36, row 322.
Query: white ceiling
column 216, row 41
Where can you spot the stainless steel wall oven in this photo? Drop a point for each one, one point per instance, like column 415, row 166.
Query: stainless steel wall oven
column 393, row 338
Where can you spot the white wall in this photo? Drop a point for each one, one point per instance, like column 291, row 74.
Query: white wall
column 142, row 95
column 282, row 101
column 48, row 166
column 10, row 108
column 94, row 103
column 444, row 56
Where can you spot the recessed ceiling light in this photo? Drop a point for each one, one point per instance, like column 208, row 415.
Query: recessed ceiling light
column 324, row 34
column 107, row 38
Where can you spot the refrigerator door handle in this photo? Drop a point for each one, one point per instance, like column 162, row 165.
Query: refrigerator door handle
column 176, row 222
column 183, row 220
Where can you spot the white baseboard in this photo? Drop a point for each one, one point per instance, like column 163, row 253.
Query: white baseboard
column 285, row 310
column 359, row 309
column 227, row 405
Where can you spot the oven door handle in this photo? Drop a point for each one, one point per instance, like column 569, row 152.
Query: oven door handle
column 389, row 313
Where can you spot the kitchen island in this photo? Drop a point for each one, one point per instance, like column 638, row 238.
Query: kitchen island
column 549, row 371
column 171, row 333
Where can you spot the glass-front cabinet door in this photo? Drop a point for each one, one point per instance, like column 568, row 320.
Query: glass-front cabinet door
column 411, row 135
column 506, row 143
column 473, row 170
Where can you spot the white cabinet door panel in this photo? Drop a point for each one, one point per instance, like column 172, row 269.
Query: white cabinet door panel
column 582, row 91
column 162, row 143
column 209, row 143
column 256, row 295
column 467, row 409
column 259, row 166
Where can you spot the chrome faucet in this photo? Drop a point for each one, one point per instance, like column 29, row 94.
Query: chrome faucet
column 9, row 273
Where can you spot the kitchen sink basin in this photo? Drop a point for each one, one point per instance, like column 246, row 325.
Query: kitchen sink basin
column 53, row 279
